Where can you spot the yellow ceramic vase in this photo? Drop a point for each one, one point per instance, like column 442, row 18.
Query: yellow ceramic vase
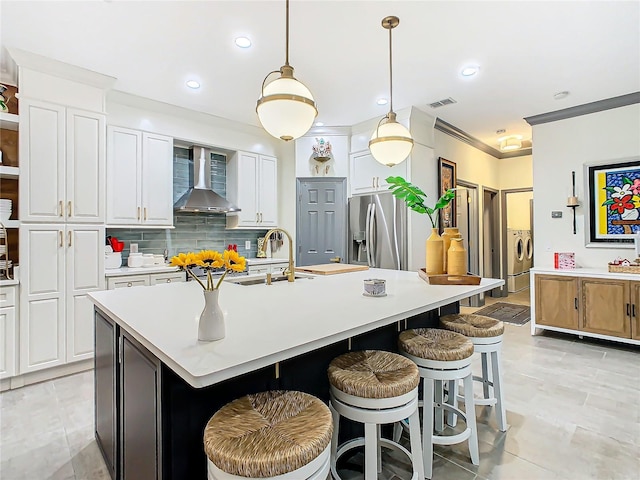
column 457, row 258
column 447, row 235
column 434, row 252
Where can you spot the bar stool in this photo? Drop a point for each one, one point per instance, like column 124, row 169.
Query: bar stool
column 486, row 335
column 375, row 387
column 441, row 356
column 277, row 435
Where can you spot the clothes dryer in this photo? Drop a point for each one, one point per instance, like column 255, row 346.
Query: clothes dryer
column 515, row 252
column 527, row 242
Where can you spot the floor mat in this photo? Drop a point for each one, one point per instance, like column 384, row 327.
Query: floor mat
column 507, row 312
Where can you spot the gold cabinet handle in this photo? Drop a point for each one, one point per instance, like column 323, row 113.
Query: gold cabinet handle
column 145, row 214
column 335, row 259
column 61, row 208
column 69, row 205
column 138, row 213
column 61, row 238
column 70, row 237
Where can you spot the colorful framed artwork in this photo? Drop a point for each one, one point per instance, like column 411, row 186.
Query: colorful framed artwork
column 614, row 201
column 446, row 180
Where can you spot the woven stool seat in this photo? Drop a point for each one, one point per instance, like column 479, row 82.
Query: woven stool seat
column 472, row 325
column 373, row 374
column 435, row 344
column 268, row 434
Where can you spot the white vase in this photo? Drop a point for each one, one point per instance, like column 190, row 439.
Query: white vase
column 211, row 324
column 630, row 214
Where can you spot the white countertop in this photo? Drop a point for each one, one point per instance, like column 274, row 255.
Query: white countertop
column 117, row 272
column 268, row 324
column 9, row 282
column 585, row 272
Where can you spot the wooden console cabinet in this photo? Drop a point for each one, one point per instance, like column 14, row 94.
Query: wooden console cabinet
column 587, row 302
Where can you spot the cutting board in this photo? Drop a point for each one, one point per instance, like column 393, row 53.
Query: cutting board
column 331, row 268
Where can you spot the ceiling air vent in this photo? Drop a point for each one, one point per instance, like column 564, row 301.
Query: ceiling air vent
column 442, row 103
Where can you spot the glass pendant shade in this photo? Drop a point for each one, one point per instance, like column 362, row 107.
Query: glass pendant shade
column 286, row 109
column 391, row 143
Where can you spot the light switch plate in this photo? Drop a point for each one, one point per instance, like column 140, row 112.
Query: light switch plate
column 247, row 245
column 556, row 214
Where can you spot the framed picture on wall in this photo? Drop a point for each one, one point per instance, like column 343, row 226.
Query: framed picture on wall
column 614, row 201
column 446, row 180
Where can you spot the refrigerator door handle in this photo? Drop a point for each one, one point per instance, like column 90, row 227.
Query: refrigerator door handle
column 367, row 234
column 372, row 235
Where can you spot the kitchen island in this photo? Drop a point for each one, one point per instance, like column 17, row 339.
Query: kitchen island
column 156, row 385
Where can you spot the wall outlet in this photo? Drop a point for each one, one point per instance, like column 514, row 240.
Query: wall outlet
column 247, row 245
column 556, row 214
column 133, row 248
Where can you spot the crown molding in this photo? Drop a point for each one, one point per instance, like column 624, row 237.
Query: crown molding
column 585, row 109
column 464, row 137
column 39, row 63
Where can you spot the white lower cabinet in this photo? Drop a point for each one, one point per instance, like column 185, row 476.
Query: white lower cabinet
column 61, row 264
column 8, row 296
column 264, row 268
column 141, row 280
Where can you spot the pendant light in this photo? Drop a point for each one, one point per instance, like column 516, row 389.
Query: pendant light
column 286, row 108
column 391, row 142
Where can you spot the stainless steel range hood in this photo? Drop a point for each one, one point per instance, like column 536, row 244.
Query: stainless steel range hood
column 200, row 198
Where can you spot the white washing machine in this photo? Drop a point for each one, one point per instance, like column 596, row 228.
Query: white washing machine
column 528, row 250
column 515, row 252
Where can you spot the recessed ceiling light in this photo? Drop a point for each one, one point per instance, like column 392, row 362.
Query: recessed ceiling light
column 469, row 71
column 193, row 84
column 561, row 95
column 319, row 124
column 243, row 42
column 382, row 101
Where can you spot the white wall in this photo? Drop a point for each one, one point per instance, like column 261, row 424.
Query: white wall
column 565, row 146
column 518, row 216
column 516, row 172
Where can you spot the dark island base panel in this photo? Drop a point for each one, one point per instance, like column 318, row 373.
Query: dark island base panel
column 186, row 410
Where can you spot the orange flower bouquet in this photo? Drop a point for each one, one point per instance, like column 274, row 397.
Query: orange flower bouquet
column 209, row 260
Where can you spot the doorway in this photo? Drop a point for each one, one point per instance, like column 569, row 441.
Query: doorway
column 517, row 227
column 467, row 223
column 321, row 220
column 491, row 237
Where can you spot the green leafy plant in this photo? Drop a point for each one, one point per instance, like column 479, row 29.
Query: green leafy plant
column 414, row 197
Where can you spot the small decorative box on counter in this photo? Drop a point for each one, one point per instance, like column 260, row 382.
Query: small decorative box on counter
column 564, row 260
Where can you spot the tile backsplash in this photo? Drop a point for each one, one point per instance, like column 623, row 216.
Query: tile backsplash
column 192, row 231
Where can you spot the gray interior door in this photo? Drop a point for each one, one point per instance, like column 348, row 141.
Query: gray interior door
column 321, row 230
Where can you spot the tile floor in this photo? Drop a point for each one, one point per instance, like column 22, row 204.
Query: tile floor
column 573, row 408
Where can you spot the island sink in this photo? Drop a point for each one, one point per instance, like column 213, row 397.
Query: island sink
column 263, row 280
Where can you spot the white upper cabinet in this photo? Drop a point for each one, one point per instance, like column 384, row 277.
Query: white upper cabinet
column 157, row 179
column 62, row 165
column 252, row 185
column 368, row 175
column 139, row 178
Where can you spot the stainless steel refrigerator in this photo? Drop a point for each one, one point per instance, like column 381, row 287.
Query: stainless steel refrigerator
column 378, row 231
